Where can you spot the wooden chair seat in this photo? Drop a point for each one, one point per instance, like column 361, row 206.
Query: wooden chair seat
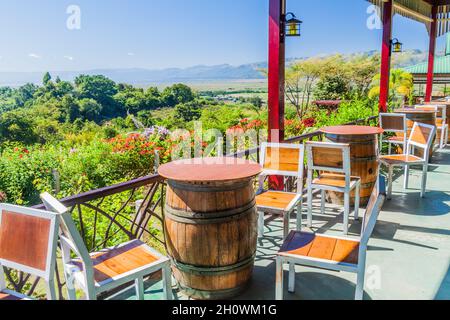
column 400, row 159
column 334, row 180
column 114, row 262
column 277, row 201
column 310, row 245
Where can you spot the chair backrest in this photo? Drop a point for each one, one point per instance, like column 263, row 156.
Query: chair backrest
column 28, row 241
column 373, row 209
column 422, row 136
column 283, row 159
column 393, row 122
column 70, row 238
column 441, row 116
column 440, row 109
column 329, row 157
column 427, row 107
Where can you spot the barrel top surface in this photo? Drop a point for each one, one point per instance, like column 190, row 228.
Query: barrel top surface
column 352, row 130
column 210, row 169
column 414, row 111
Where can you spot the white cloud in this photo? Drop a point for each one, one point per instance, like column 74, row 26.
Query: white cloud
column 34, row 56
column 69, row 58
column 131, row 54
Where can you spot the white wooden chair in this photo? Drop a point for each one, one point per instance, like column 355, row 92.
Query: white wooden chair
column 394, row 123
column 328, row 252
column 111, row 268
column 28, row 243
column 284, row 160
column 332, row 160
column 422, row 138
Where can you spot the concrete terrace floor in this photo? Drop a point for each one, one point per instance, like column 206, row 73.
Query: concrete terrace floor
column 408, row 256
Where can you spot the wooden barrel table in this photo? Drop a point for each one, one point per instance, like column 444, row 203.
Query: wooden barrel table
column 363, row 143
column 421, row 116
column 211, row 225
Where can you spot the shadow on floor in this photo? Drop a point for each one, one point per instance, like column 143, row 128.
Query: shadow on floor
column 443, row 292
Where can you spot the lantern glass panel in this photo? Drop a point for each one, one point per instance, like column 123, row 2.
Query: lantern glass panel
column 293, row 28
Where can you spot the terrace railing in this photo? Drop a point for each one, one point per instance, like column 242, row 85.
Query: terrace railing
column 126, row 211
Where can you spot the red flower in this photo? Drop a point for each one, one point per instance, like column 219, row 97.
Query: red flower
column 310, row 122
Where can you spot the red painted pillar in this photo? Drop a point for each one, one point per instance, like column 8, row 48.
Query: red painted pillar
column 276, row 70
column 276, row 81
column 386, row 51
column 431, row 53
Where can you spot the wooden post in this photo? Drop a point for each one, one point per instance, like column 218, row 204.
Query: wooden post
column 276, row 99
column 386, row 51
column 431, row 53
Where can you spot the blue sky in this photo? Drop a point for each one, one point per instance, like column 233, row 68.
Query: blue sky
column 179, row 33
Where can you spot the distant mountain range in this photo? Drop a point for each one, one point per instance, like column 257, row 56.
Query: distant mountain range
column 138, row 76
column 224, row 72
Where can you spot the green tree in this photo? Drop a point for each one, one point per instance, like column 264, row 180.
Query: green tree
column 102, row 90
column 17, row 126
column 188, row 111
column 176, row 94
column 401, row 86
column 46, row 79
column 90, row 109
column 331, row 87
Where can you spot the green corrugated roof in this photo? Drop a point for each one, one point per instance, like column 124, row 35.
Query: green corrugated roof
column 441, row 66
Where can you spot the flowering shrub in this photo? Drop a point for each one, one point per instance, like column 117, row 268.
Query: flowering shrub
column 293, row 127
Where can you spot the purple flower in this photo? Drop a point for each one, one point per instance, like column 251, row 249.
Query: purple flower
column 156, row 130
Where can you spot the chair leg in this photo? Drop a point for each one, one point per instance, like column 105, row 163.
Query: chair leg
column 322, row 202
column 357, row 201
column 424, row 181
column 139, row 284
column 260, row 225
column 359, row 294
column 445, row 138
column 291, row 277
column 406, row 178
column 299, row 215
column 390, row 177
column 286, row 221
column 310, row 214
column 279, row 279
column 167, row 282
column 71, row 292
column 346, row 211
column 51, row 291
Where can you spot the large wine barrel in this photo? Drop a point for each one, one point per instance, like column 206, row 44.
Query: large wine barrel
column 211, row 233
column 364, row 164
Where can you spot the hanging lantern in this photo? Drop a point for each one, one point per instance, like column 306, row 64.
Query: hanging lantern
column 397, row 46
column 293, row 26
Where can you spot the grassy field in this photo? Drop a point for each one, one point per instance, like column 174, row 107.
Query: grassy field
column 255, row 85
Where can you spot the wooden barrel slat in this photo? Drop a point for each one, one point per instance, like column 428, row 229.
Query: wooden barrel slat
column 227, row 240
column 364, row 164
